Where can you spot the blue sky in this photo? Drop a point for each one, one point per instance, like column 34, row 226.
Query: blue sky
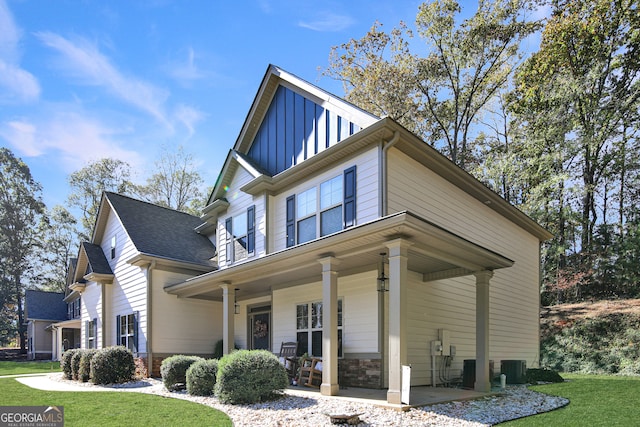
column 82, row 80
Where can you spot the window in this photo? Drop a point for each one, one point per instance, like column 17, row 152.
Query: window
column 92, row 332
column 240, row 235
column 321, row 210
column 128, row 331
column 113, row 247
column 73, row 309
column 309, row 328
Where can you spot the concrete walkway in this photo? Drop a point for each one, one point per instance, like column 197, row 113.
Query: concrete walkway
column 47, row 383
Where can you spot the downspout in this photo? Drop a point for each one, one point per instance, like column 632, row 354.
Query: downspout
column 103, row 291
column 150, row 269
column 382, row 172
column 382, row 211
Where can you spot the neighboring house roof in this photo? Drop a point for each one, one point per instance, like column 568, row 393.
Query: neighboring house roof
column 158, row 231
column 41, row 305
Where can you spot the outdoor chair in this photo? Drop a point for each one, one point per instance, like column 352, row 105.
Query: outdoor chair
column 311, row 372
column 289, row 358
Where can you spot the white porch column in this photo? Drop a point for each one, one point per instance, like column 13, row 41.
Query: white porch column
column 398, row 272
column 483, row 382
column 329, row 385
column 228, row 313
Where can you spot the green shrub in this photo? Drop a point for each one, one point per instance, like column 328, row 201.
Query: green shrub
column 75, row 363
column 112, row 365
column 534, row 376
column 174, row 371
column 250, row 376
column 201, row 377
column 65, row 363
column 84, row 371
column 603, row 345
column 217, row 349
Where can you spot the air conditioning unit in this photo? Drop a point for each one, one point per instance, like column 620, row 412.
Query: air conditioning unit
column 515, row 370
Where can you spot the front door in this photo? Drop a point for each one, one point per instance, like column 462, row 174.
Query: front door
column 260, row 328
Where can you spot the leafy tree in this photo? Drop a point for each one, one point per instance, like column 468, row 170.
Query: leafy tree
column 589, row 53
column 175, row 183
column 442, row 94
column 21, row 209
column 60, row 244
column 87, row 185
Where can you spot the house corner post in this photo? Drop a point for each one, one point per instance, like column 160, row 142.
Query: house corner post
column 483, row 381
column 398, row 273
column 228, row 312
column 329, row 386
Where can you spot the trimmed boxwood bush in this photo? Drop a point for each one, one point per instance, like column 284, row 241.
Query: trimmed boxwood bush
column 249, row 376
column 112, row 365
column 201, row 377
column 65, row 363
column 84, row 371
column 543, row 375
column 75, row 363
column 174, row 371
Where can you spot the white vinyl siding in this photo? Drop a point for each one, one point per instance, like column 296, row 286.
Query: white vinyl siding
column 366, row 194
column 514, row 291
column 239, row 203
column 360, row 311
column 128, row 292
column 183, row 325
column 91, row 308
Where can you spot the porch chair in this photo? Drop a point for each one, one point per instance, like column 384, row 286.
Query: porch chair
column 289, row 358
column 311, row 372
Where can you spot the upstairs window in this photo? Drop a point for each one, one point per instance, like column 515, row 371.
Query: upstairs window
column 322, row 210
column 240, row 235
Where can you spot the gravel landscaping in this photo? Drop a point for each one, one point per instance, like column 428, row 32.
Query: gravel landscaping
column 292, row 410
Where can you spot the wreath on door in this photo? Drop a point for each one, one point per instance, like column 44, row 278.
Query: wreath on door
column 260, row 329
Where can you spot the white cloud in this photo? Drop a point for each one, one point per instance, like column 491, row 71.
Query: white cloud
column 187, row 71
column 84, row 60
column 328, row 22
column 16, row 84
column 69, row 138
column 188, row 116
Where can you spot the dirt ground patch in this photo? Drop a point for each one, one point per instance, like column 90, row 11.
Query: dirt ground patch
column 557, row 317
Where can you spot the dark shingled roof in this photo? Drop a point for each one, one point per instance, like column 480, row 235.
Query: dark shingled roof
column 162, row 232
column 97, row 261
column 41, row 305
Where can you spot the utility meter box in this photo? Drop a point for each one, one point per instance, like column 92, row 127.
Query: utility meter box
column 445, row 339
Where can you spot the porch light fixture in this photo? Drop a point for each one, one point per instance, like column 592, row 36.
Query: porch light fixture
column 382, row 279
column 236, row 306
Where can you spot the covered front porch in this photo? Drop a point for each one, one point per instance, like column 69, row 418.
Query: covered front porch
column 412, row 245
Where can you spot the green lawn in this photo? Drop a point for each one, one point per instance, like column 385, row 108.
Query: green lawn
column 12, row 368
column 596, row 400
column 116, row 408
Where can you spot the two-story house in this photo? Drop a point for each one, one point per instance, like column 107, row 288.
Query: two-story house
column 350, row 235
column 137, row 249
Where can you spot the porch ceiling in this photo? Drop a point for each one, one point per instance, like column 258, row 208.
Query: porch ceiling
column 434, row 252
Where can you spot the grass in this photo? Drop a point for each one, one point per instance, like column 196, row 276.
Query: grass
column 104, row 408
column 13, row 368
column 596, row 400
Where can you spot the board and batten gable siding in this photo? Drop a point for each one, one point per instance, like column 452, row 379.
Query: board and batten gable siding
column 366, row 193
column 128, row 292
column 514, row 291
column 239, row 202
column 359, row 307
column 182, row 325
